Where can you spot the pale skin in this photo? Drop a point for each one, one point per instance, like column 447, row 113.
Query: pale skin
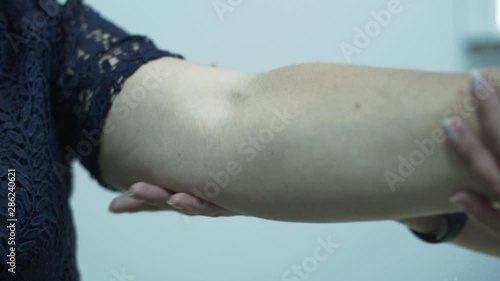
column 326, row 161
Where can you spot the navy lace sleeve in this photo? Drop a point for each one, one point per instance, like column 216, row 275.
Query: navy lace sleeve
column 98, row 58
column 60, row 66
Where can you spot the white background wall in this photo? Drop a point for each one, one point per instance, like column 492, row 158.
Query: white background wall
column 257, row 36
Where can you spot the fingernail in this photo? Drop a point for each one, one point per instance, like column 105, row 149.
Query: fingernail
column 113, row 210
column 451, row 127
column 481, row 85
column 177, row 207
column 459, row 202
column 475, row 78
column 131, row 194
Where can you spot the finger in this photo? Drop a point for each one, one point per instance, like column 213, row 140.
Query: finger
column 488, row 110
column 474, row 152
column 480, row 209
column 182, row 202
column 149, row 192
column 194, row 205
column 125, row 203
column 159, row 195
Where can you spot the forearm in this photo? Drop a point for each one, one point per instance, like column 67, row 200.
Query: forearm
column 349, row 129
column 473, row 236
column 327, row 163
column 476, row 237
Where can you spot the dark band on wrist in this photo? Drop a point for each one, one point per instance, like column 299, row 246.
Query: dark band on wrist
column 455, row 224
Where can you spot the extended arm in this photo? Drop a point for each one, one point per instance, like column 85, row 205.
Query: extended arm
column 314, row 142
column 481, row 153
column 474, row 236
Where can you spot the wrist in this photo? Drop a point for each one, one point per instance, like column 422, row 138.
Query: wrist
column 434, row 226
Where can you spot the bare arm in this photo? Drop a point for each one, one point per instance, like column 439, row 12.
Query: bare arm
column 480, row 151
column 336, row 133
column 474, row 235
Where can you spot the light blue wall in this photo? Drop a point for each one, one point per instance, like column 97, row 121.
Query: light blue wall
column 257, row 36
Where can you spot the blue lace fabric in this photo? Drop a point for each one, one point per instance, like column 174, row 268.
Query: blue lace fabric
column 61, row 65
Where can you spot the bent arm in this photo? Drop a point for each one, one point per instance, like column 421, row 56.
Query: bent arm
column 315, row 142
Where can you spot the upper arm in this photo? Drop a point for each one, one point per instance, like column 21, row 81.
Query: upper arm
column 184, row 105
column 95, row 59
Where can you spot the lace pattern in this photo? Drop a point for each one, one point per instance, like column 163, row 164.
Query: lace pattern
column 105, row 56
column 60, row 66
